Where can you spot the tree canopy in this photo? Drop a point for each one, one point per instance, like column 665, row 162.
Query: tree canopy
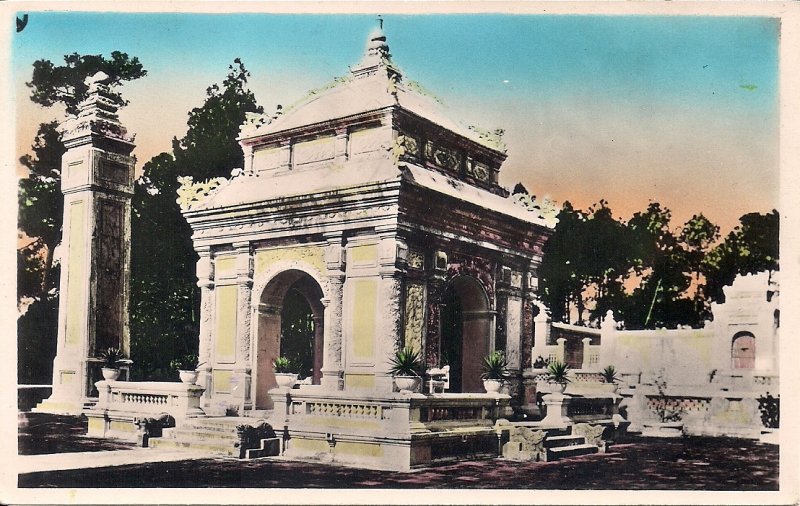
column 650, row 273
column 164, row 295
column 65, row 84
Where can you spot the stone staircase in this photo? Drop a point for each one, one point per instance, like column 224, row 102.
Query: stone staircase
column 530, row 442
column 236, row 437
column 566, row 446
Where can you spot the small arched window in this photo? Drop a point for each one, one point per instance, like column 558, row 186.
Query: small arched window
column 743, row 351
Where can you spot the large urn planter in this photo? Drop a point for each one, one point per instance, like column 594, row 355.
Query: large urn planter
column 662, row 429
column 110, row 374
column 407, row 383
column 557, row 388
column 285, row 380
column 188, row 377
column 492, row 386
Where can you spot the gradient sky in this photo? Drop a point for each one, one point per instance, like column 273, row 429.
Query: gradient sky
column 682, row 110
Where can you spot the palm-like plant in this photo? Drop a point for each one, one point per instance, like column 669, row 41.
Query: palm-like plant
column 495, row 366
column 112, row 357
column 609, row 374
column 283, row 365
column 558, row 372
column 188, row 362
column 406, row 362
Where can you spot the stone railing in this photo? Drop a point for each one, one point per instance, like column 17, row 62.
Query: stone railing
column 147, row 398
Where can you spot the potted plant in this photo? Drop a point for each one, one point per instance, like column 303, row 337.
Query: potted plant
column 283, row 372
column 669, row 418
column 112, row 358
column 404, row 368
column 495, row 370
column 609, row 375
column 187, row 368
column 558, row 375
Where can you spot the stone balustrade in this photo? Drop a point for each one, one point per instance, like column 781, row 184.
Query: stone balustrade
column 177, row 399
column 120, row 403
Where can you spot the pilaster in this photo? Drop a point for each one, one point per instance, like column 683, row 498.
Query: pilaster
column 244, row 284
column 332, row 370
column 205, row 281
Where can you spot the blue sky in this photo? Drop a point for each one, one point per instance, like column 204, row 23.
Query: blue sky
column 626, row 108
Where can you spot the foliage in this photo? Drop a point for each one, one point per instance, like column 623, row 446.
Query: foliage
column 610, row 374
column 558, row 372
column 283, row 365
column 297, row 332
column 770, row 409
column 51, row 84
column 495, row 366
column 112, row 357
column 664, row 412
column 751, row 247
column 36, row 342
column 188, row 362
column 406, row 362
column 40, row 213
column 164, row 296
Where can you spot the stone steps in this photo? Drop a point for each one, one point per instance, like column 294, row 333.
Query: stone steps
column 563, row 441
column 563, row 452
column 220, row 437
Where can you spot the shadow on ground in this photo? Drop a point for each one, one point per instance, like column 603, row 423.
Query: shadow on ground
column 694, row 463
column 41, row 433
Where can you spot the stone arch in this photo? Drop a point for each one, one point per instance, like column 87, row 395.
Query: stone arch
column 467, row 323
column 269, row 297
column 743, row 350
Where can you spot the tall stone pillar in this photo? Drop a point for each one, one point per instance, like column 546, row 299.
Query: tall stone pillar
column 332, row 337
column 205, row 281
column 97, row 182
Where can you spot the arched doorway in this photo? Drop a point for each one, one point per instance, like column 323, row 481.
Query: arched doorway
column 290, row 324
column 466, row 333
column 743, row 351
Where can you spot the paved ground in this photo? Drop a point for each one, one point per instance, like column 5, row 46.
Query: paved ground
column 638, row 464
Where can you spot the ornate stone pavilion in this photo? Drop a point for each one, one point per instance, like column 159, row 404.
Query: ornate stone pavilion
column 387, row 217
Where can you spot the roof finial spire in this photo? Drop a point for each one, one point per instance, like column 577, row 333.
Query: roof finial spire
column 380, row 22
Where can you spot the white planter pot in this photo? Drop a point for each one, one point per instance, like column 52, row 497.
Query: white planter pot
column 492, row 386
column 285, row 380
column 407, row 383
column 557, row 388
column 610, row 387
column 110, row 374
column 662, row 429
column 188, row 377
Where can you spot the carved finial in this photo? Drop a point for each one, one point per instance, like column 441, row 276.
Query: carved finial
column 380, row 22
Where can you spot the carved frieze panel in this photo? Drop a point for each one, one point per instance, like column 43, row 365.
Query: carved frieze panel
column 416, row 259
column 500, row 334
column 479, row 171
column 314, row 151
column 109, row 275
column 476, row 267
column 367, row 140
column 267, row 159
column 113, row 171
column 415, row 315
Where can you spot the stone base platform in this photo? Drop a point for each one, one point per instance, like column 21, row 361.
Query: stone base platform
column 387, row 431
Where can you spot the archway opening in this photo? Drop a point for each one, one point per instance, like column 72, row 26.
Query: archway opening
column 290, row 324
column 466, row 333
column 743, row 351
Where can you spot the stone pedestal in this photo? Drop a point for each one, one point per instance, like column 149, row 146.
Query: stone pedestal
column 97, row 182
column 556, row 405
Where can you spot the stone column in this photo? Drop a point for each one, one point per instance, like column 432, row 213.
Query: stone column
column 244, row 283
column 205, row 281
column 433, row 339
column 392, row 258
column 541, row 332
column 332, row 339
column 97, row 182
